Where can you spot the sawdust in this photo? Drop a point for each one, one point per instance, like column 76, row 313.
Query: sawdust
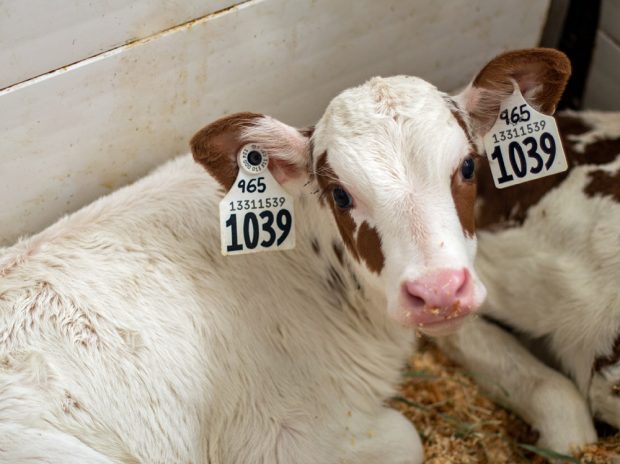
column 459, row 424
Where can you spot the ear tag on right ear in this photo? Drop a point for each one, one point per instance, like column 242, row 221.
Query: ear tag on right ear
column 256, row 214
column 523, row 144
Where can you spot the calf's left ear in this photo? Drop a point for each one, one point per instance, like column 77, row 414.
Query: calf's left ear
column 541, row 74
column 216, row 146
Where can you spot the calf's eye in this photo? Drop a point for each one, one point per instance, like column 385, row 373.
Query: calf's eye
column 342, row 198
column 468, row 169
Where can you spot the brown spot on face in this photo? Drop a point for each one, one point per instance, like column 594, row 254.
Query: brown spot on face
column 327, row 179
column 367, row 244
column 509, row 206
column 464, row 196
column 369, row 247
column 604, row 183
column 215, row 146
column 601, row 362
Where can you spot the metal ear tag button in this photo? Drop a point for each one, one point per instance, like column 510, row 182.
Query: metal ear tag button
column 256, row 214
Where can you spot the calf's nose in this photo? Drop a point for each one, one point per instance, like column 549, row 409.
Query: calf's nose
column 441, row 289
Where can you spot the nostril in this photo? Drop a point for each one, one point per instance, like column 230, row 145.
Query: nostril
column 415, row 293
column 416, row 300
column 463, row 288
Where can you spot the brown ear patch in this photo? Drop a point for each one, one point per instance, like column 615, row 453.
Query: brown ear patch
column 542, row 74
column 536, row 66
column 464, row 196
column 215, row 146
column 366, row 244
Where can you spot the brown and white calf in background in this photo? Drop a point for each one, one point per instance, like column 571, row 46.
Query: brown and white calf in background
column 125, row 336
column 549, row 255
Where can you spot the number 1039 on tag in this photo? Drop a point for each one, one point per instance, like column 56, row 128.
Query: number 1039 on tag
column 523, row 144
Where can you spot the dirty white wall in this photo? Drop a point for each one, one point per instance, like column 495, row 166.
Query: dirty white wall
column 94, row 94
column 603, row 87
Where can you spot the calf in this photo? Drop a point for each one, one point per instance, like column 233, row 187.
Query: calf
column 550, row 258
column 126, row 337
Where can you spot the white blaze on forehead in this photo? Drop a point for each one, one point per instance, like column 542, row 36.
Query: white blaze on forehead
column 394, row 144
column 390, row 134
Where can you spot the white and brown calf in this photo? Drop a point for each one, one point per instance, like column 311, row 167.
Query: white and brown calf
column 549, row 254
column 126, row 337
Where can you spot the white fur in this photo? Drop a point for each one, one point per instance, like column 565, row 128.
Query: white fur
column 126, row 337
column 123, row 327
column 553, row 279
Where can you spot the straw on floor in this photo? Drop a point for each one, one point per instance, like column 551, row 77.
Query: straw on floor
column 459, row 424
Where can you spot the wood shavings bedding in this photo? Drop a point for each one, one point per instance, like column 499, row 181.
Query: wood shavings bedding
column 459, row 424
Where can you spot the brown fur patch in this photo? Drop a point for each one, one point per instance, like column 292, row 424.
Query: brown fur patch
column 545, row 66
column 367, row 244
column 601, row 362
column 369, row 247
column 464, row 196
column 215, row 146
column 603, row 183
column 505, row 207
column 326, row 178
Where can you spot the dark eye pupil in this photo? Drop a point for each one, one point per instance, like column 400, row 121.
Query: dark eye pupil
column 341, row 198
column 468, row 168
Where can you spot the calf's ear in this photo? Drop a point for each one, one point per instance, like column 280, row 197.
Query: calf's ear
column 216, row 146
column 541, row 74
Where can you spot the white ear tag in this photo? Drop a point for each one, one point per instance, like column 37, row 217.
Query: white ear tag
column 256, row 214
column 523, row 144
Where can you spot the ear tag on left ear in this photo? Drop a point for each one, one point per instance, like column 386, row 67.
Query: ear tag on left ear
column 523, row 144
column 256, row 214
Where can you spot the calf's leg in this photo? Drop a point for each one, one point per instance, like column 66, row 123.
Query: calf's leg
column 388, row 438
column 507, row 371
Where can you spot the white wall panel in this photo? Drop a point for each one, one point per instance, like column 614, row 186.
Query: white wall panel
column 603, row 87
column 38, row 36
column 610, row 19
column 80, row 132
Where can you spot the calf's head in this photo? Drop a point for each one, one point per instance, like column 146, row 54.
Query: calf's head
column 394, row 164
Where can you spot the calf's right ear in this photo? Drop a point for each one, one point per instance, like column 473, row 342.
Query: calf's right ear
column 540, row 73
column 216, row 146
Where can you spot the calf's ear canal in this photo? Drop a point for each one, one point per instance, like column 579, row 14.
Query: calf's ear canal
column 216, row 146
column 541, row 73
